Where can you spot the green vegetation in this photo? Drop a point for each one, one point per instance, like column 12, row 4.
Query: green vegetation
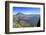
column 16, row 24
column 21, row 21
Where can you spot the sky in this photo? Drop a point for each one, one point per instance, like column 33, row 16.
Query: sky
column 26, row 10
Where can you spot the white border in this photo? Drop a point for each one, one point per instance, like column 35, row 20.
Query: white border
column 11, row 29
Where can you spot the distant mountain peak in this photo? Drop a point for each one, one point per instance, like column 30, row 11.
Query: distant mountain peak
column 19, row 13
